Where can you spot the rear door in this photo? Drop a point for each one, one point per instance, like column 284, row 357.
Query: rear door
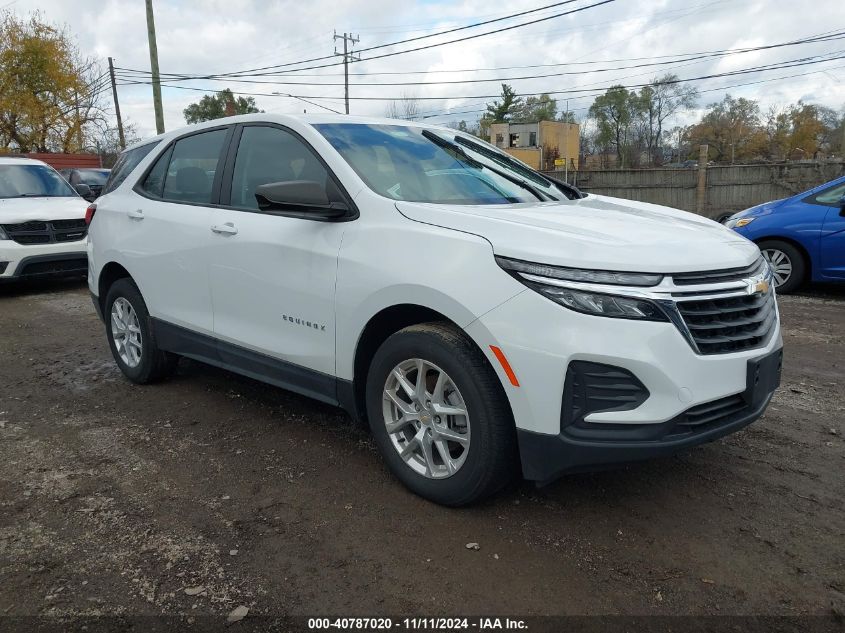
column 273, row 277
column 169, row 223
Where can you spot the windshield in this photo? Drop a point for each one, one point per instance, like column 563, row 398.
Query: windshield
column 36, row 181
column 94, row 176
column 426, row 165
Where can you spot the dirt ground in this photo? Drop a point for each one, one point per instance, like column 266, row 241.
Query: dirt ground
column 212, row 491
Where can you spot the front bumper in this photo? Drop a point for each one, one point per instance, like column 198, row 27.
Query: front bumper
column 32, row 261
column 540, row 340
column 544, row 457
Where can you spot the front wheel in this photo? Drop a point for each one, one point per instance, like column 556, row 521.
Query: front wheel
column 786, row 262
column 131, row 337
column 440, row 416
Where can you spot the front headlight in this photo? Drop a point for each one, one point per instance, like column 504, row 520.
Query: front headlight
column 602, row 304
column 585, row 299
column 738, row 223
column 581, row 275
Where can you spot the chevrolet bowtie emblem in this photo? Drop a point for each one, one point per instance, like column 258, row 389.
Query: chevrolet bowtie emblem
column 758, row 287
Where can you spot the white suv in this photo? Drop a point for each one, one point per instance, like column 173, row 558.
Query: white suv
column 478, row 314
column 42, row 222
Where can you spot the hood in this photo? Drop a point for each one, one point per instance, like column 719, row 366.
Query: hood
column 17, row 210
column 596, row 232
column 761, row 209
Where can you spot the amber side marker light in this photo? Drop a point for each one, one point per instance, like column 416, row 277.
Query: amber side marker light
column 500, row 355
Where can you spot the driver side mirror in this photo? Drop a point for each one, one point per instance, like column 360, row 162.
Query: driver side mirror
column 300, row 198
column 84, row 190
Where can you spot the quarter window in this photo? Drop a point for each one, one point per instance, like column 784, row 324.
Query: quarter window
column 127, row 162
column 268, row 154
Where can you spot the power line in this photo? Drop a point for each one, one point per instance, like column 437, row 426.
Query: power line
column 598, row 90
column 255, row 72
column 703, row 56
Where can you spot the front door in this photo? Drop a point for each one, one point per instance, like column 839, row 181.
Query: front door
column 273, row 277
column 832, row 237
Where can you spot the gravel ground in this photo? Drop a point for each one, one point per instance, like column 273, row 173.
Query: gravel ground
column 212, row 491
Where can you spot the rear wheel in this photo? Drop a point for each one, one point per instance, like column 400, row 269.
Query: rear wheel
column 439, row 415
column 131, row 337
column 787, row 264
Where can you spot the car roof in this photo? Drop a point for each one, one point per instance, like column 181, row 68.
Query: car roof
column 20, row 160
column 284, row 119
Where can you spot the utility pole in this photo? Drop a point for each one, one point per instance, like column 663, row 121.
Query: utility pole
column 348, row 56
column 151, row 37
column 566, row 145
column 116, row 106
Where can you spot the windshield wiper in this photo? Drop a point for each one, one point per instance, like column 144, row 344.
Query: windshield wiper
column 457, row 149
column 504, row 159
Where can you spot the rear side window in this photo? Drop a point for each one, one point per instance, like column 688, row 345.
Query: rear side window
column 153, row 184
column 128, row 161
column 192, row 166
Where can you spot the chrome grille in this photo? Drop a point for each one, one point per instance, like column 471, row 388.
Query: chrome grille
column 719, row 276
column 734, row 323
column 47, row 232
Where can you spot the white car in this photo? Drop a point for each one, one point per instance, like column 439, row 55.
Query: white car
column 479, row 315
column 42, row 222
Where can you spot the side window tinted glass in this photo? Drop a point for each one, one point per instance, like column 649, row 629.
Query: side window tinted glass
column 193, row 163
column 267, row 154
column 830, row 196
column 125, row 164
column 153, row 184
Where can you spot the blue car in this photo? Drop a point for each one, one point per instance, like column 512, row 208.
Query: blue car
column 802, row 237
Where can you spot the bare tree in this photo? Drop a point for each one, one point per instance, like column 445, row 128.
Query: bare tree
column 408, row 108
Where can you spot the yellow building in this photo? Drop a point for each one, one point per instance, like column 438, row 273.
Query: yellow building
column 544, row 145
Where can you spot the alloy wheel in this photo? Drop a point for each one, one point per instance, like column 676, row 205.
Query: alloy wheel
column 426, row 418
column 126, row 332
column 780, row 264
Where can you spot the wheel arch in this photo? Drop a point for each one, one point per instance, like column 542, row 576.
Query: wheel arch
column 109, row 274
column 378, row 329
column 801, row 248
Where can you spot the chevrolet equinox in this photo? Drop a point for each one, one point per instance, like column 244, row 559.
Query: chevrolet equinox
column 482, row 317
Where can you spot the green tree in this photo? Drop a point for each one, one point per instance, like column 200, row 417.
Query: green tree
column 732, row 130
column 502, row 111
column 217, row 106
column 49, row 94
column 534, row 109
column 662, row 99
column 614, row 113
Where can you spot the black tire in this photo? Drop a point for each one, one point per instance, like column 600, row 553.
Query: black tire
column 154, row 364
column 796, row 258
column 491, row 459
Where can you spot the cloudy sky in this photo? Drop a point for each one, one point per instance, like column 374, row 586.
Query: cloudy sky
column 593, row 46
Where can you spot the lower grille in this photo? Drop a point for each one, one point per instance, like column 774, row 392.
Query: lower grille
column 74, row 266
column 47, row 232
column 729, row 324
column 710, row 414
column 3, row 266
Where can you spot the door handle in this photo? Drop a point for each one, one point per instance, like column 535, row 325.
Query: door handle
column 137, row 214
column 225, row 229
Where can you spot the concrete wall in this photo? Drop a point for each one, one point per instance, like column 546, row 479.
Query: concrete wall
column 728, row 188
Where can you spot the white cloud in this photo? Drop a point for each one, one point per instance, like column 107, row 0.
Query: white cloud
column 226, row 35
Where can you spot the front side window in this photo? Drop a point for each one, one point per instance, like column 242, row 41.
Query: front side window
column 33, row 181
column 127, row 162
column 269, row 154
column 829, row 197
column 412, row 163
